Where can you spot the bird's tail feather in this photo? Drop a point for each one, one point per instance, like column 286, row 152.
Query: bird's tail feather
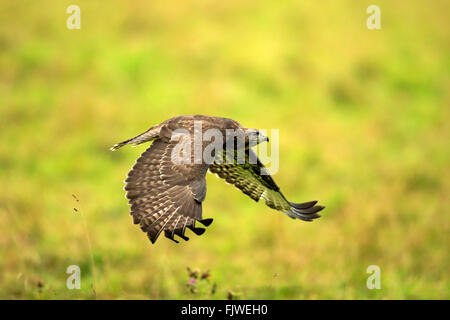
column 148, row 135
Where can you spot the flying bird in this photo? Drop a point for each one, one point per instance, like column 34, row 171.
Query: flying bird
column 166, row 186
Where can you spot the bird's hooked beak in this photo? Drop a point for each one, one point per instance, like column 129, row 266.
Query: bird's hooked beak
column 256, row 136
column 263, row 137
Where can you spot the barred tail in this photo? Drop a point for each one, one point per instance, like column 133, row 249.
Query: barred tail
column 148, row 135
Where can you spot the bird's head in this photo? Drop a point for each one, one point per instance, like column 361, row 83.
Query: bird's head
column 254, row 137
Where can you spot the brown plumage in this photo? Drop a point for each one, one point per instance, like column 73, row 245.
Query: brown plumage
column 167, row 196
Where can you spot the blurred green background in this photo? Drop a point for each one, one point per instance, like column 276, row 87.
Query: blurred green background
column 364, row 128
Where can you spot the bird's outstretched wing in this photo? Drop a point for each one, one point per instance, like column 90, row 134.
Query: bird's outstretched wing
column 249, row 179
column 165, row 196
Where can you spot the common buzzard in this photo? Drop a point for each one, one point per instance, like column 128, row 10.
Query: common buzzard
column 166, row 194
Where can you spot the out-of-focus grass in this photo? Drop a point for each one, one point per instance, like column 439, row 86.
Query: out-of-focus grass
column 363, row 118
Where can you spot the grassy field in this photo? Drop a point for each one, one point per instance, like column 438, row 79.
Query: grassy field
column 364, row 128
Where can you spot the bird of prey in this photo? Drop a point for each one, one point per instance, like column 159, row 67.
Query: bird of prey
column 166, row 194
